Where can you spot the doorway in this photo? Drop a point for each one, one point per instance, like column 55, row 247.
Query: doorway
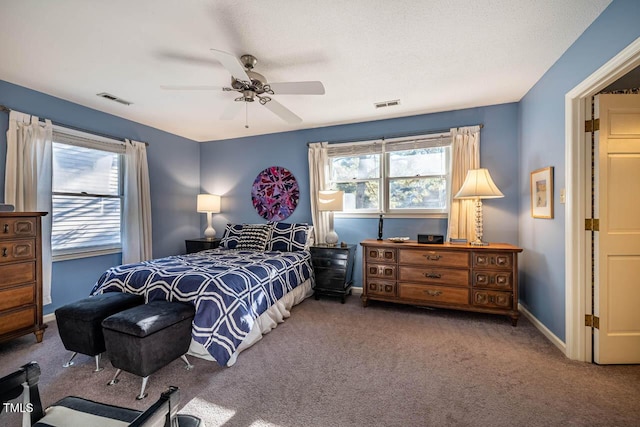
column 577, row 164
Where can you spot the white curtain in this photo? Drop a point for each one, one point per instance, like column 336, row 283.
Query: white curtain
column 318, row 165
column 136, row 230
column 465, row 149
column 28, row 176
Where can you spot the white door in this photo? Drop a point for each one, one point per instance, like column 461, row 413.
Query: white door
column 617, row 244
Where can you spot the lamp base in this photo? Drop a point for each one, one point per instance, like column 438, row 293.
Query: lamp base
column 331, row 238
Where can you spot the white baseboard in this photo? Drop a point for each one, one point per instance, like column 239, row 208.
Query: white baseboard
column 49, row 317
column 356, row 291
column 545, row 331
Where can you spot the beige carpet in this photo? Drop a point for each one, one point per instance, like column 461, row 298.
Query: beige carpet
column 385, row 365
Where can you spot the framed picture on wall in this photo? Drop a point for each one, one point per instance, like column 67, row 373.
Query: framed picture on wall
column 542, row 193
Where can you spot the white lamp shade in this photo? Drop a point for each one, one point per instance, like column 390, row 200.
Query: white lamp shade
column 478, row 185
column 329, row 200
column 208, row 203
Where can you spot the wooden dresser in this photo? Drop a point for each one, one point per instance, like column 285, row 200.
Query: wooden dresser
column 462, row 277
column 20, row 275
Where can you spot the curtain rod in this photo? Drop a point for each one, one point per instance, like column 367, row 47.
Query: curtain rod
column 6, row 109
column 399, row 135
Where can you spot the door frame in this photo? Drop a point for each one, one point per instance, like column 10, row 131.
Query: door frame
column 577, row 242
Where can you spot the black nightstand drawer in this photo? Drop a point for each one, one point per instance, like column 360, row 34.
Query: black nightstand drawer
column 326, row 252
column 197, row 245
column 330, row 263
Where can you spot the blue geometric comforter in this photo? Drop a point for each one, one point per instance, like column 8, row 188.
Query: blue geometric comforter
column 229, row 289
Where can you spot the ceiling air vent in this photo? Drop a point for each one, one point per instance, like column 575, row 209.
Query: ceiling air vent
column 113, row 98
column 387, row 103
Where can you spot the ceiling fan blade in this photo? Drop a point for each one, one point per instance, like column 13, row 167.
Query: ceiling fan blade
column 297, row 88
column 283, row 112
column 232, row 110
column 183, row 87
column 232, row 64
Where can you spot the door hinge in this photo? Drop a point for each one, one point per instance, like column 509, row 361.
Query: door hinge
column 592, row 125
column 592, row 224
column 592, row 321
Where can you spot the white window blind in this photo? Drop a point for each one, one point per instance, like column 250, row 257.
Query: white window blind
column 87, row 193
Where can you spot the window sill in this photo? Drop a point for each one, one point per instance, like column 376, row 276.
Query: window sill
column 407, row 215
column 85, row 254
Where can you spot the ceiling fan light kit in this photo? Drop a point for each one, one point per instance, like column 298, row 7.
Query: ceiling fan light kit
column 251, row 85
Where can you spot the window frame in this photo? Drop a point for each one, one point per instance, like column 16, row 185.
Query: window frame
column 72, row 137
column 439, row 139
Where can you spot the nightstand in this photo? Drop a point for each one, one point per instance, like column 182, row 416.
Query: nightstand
column 201, row 244
column 333, row 269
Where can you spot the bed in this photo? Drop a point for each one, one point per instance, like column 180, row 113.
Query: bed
column 240, row 291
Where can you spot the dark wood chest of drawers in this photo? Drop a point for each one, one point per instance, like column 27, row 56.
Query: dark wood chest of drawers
column 20, row 275
column 333, row 269
column 463, row 277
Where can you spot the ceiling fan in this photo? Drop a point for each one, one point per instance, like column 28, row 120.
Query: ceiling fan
column 253, row 86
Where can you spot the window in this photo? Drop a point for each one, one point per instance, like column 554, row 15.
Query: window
column 402, row 176
column 87, row 194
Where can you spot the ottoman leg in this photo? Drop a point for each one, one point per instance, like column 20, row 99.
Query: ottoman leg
column 189, row 365
column 144, row 385
column 115, row 379
column 98, row 368
column 70, row 362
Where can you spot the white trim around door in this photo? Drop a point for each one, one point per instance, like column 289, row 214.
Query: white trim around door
column 577, row 242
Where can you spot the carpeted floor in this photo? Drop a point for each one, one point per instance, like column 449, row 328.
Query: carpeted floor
column 385, row 365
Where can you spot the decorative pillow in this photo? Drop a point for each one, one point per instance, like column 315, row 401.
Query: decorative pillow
column 230, row 236
column 254, row 237
column 287, row 237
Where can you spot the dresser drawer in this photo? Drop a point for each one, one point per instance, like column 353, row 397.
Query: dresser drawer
column 380, row 255
column 16, row 297
column 429, row 293
column 434, row 275
column 492, row 260
column 435, row 258
column 381, row 288
column 14, row 274
column 16, row 250
column 17, row 227
column 381, row 271
column 492, row 299
column 19, row 319
column 502, row 280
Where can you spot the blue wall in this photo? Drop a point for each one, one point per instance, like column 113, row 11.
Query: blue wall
column 173, row 172
column 228, row 168
column 542, row 140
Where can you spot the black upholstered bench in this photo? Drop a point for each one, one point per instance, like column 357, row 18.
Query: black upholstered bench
column 80, row 323
column 145, row 338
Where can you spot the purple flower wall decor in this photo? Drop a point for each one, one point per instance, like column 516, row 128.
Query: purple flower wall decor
column 275, row 193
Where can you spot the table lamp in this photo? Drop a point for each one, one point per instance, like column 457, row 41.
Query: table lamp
column 478, row 185
column 209, row 203
column 330, row 201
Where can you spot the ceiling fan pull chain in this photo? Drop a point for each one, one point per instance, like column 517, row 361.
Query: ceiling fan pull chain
column 246, row 115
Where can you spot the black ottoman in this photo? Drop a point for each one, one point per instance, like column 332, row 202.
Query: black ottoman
column 145, row 338
column 80, row 323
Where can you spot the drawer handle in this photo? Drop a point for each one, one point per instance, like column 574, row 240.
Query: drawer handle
column 4, row 252
column 433, row 293
column 433, row 275
column 433, row 257
column 5, row 229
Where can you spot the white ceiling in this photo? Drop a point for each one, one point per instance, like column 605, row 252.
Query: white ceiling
column 433, row 55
